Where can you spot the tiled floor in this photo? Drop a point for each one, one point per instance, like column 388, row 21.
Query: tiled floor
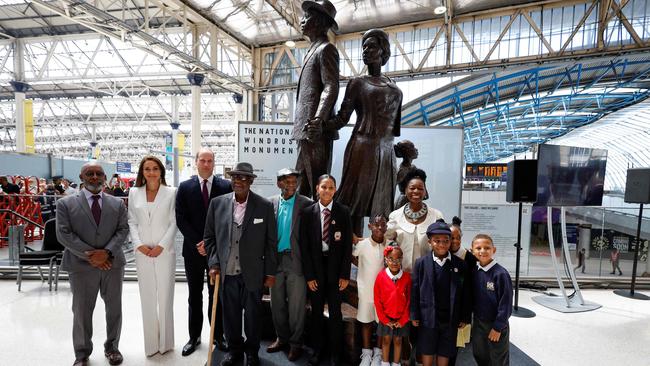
column 36, row 330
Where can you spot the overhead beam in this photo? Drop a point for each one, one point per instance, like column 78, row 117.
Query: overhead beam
column 104, row 23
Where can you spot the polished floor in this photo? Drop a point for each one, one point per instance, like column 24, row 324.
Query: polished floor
column 36, row 330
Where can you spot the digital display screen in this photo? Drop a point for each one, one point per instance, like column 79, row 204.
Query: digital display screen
column 570, row 176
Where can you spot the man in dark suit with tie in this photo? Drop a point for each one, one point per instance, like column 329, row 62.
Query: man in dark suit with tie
column 92, row 226
column 192, row 201
column 241, row 239
column 318, row 88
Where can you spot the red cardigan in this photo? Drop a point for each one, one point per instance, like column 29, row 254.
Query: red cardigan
column 392, row 299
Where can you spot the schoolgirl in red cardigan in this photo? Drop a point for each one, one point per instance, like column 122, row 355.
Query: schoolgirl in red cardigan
column 392, row 296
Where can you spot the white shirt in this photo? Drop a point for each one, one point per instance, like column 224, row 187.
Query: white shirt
column 239, row 210
column 89, row 197
column 461, row 253
column 322, row 221
column 209, row 183
column 441, row 262
column 488, row 267
column 392, row 276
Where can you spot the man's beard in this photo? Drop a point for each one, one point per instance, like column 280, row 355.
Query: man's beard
column 94, row 188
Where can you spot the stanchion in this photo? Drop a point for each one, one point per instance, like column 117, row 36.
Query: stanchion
column 517, row 310
column 631, row 294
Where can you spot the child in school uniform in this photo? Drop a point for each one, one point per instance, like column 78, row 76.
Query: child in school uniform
column 369, row 257
column 439, row 297
column 456, row 249
column 492, row 296
column 392, row 295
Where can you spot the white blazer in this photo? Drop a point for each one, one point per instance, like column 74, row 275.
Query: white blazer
column 411, row 238
column 159, row 227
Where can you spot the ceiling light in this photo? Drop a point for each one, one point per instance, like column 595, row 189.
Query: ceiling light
column 440, row 10
column 289, row 43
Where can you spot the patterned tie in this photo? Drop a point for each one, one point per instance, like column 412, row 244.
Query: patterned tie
column 95, row 209
column 326, row 225
column 204, row 192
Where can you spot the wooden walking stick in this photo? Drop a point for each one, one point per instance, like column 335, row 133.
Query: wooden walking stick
column 213, row 318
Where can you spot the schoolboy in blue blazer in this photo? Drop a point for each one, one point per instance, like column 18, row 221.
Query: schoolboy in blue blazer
column 439, row 297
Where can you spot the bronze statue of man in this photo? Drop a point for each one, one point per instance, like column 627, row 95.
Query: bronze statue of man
column 318, row 88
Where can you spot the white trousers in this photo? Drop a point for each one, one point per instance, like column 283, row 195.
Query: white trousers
column 156, row 283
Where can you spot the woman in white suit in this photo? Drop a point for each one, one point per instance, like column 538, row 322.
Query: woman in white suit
column 153, row 228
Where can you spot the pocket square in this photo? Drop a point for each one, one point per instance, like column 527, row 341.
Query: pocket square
column 257, row 221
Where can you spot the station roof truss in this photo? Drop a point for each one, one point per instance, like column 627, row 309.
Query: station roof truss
column 509, row 112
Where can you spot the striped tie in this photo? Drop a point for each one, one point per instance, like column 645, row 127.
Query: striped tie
column 326, row 225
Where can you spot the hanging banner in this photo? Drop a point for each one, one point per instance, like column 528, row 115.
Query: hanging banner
column 28, row 119
column 181, row 149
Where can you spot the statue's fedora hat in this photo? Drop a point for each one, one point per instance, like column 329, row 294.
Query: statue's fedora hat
column 323, row 6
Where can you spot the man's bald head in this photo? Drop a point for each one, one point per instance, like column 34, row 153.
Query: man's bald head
column 93, row 176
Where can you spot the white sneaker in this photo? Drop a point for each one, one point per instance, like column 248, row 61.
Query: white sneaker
column 366, row 357
column 376, row 357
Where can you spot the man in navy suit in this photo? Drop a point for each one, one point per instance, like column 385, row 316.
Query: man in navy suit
column 192, row 201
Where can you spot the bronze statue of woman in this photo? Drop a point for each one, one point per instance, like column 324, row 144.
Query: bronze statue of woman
column 369, row 166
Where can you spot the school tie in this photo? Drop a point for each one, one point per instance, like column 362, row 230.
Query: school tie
column 95, row 209
column 326, row 225
column 204, row 192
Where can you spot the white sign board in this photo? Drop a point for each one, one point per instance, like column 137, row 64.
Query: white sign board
column 500, row 222
column 269, row 148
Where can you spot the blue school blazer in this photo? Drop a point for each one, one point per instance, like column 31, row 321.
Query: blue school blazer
column 423, row 295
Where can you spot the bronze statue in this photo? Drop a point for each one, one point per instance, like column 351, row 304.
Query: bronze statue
column 407, row 151
column 318, row 88
column 369, row 165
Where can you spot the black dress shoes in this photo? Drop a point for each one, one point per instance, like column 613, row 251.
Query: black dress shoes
column 252, row 360
column 81, row 362
column 314, row 360
column 232, row 359
column 191, row 346
column 221, row 345
column 276, row 346
column 114, row 357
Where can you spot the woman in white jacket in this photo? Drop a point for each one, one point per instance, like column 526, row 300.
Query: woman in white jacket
column 153, row 227
column 407, row 225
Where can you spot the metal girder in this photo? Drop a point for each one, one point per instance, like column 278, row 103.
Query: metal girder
column 104, row 23
column 286, row 9
column 499, row 122
column 65, row 126
column 420, row 46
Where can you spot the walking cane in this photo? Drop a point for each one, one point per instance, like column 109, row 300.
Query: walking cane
column 213, row 318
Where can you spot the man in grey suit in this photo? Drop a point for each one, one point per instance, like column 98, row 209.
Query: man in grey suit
column 289, row 294
column 93, row 227
column 318, row 88
column 241, row 240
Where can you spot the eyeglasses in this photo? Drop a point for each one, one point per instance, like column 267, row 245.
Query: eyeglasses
column 241, row 178
column 393, row 260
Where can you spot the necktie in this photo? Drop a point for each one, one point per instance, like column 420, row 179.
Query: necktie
column 326, row 225
column 204, row 192
column 95, row 209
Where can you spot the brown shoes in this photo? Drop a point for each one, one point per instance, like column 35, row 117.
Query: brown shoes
column 81, row 362
column 294, row 353
column 276, row 346
column 114, row 357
